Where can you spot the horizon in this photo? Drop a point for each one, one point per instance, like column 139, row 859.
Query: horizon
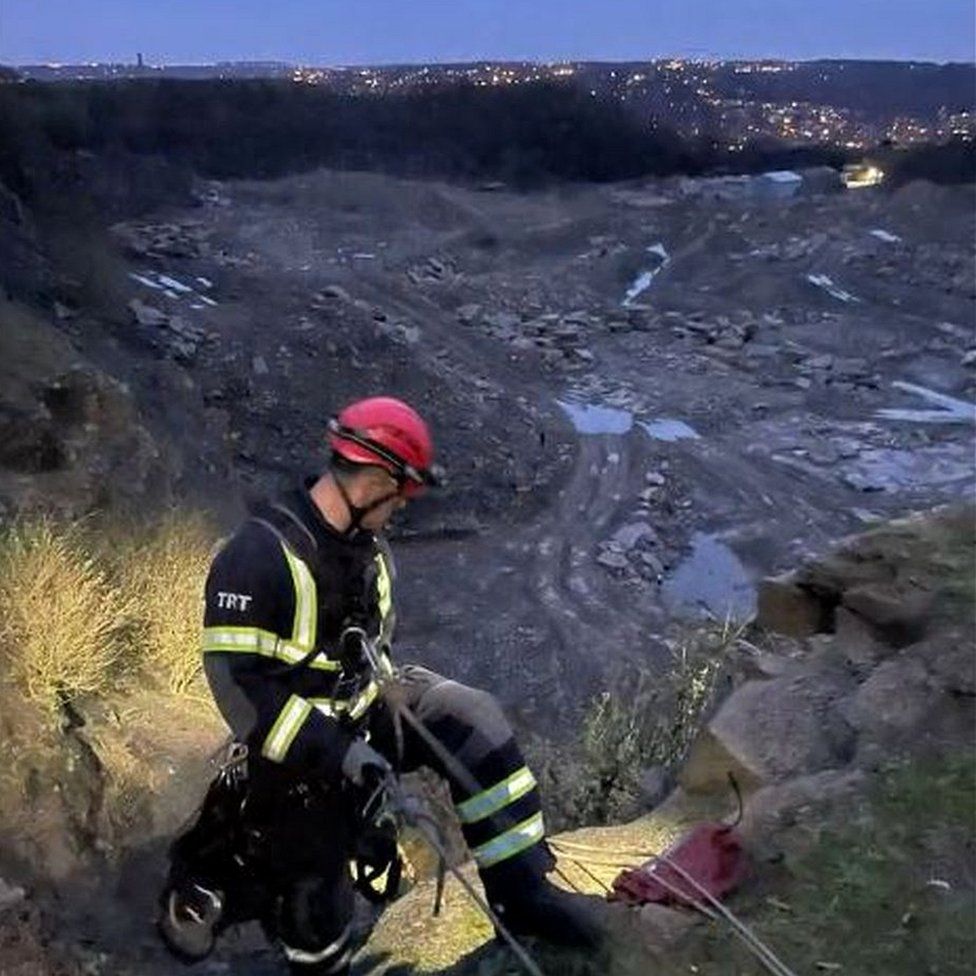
column 335, row 65
column 389, row 32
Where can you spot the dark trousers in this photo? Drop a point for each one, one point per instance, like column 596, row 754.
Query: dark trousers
column 305, row 832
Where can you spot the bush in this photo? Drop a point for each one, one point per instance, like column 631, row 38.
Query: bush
column 651, row 725
column 81, row 605
column 63, row 622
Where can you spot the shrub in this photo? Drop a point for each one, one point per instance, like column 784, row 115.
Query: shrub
column 651, row 725
column 162, row 569
column 63, row 621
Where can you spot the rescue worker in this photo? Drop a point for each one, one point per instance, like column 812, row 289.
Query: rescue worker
column 282, row 596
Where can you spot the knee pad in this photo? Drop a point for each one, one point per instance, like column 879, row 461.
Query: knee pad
column 469, row 721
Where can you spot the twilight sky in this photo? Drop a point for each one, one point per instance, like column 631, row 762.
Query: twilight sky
column 378, row 31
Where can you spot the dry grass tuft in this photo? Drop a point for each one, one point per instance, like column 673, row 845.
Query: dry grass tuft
column 163, row 568
column 63, row 621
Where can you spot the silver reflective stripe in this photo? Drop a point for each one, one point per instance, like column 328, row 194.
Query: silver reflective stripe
column 289, row 722
column 319, row 955
column 511, row 842
column 496, row 797
column 248, row 640
column 306, row 610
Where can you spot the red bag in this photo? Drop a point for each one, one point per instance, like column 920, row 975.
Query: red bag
column 712, row 854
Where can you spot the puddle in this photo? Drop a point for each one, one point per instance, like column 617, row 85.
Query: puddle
column 670, row 430
column 643, row 281
column 945, row 409
column 174, row 288
column 710, row 582
column 826, row 282
column 889, row 469
column 592, row 418
column 143, row 280
column 174, row 284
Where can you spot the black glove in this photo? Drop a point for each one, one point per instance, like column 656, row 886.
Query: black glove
column 352, row 655
column 362, row 761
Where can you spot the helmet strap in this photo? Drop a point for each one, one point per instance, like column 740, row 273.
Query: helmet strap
column 358, row 512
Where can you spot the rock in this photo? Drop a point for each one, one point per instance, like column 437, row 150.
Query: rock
column 10, row 895
column 891, row 709
column 652, row 564
column 628, row 536
column 785, row 607
column 857, row 641
column 260, row 366
column 468, row 313
column 899, row 613
column 661, row 928
column 653, row 784
column 147, row 315
column 970, row 358
column 949, row 660
column 769, row 731
column 613, row 560
column 820, row 362
column 335, row 293
column 772, row 813
column 654, row 478
column 502, row 321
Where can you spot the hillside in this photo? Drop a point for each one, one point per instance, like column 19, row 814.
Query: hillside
column 845, row 713
column 650, row 395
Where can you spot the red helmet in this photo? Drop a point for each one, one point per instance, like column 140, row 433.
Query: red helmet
column 390, row 434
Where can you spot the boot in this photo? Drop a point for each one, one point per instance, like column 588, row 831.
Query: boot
column 542, row 910
column 188, row 920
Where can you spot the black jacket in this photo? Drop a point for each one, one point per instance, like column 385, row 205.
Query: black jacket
column 279, row 594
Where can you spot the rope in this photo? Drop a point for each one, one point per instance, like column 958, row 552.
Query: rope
column 431, row 833
column 765, row 955
column 424, row 822
column 717, row 909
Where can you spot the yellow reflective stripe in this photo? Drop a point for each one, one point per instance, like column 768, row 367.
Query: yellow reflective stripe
column 292, row 654
column 255, row 640
column 512, row 842
column 496, row 797
column 353, row 707
column 306, row 610
column 286, row 727
column 366, row 698
column 322, row 663
column 327, row 706
column 384, row 586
